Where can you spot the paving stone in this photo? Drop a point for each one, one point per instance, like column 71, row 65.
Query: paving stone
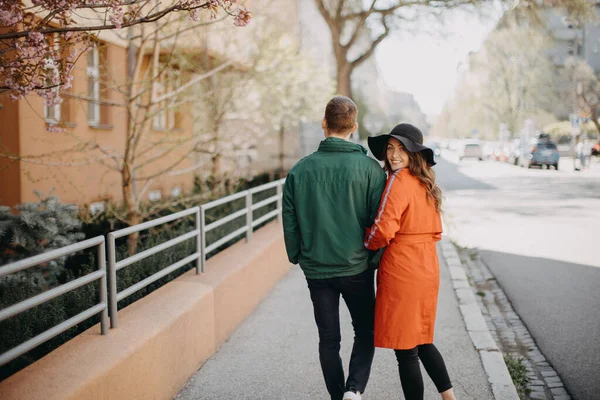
column 553, row 379
column 536, row 382
column 559, row 392
column 555, row 385
column 538, row 388
column 472, row 316
column 567, row 397
column 544, row 364
column 483, row 340
column 505, row 392
column 538, row 395
column 547, row 374
column 494, row 366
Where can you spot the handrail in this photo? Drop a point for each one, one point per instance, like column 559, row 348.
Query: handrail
column 247, row 211
column 22, row 306
column 113, row 266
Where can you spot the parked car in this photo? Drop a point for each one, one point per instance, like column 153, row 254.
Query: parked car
column 513, row 152
column 471, row 150
column 501, row 153
column 541, row 152
column 437, row 149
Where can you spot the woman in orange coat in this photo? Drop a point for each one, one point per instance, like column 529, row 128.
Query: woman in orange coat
column 409, row 224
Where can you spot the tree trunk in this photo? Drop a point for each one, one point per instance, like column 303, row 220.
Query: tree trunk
column 133, row 216
column 595, row 120
column 216, row 166
column 344, row 71
column 281, row 150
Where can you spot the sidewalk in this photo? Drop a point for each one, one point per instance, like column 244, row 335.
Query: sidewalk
column 274, row 354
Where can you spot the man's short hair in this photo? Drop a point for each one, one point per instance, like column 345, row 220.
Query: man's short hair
column 340, row 115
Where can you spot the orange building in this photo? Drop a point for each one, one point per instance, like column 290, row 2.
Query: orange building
column 84, row 163
column 81, row 164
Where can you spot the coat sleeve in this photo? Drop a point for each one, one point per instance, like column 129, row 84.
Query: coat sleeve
column 376, row 187
column 291, row 230
column 387, row 223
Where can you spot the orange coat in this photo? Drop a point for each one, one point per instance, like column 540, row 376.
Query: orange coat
column 408, row 277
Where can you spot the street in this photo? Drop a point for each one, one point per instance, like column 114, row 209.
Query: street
column 537, row 230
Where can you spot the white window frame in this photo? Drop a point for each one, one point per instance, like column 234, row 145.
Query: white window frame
column 165, row 118
column 159, row 122
column 52, row 113
column 93, row 74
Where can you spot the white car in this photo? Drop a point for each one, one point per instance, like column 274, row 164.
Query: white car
column 471, row 150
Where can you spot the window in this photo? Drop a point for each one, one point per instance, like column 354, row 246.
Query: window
column 160, row 118
column 52, row 111
column 93, row 74
column 167, row 115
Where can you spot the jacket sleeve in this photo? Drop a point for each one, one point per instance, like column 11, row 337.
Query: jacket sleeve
column 376, row 186
column 291, row 231
column 387, row 223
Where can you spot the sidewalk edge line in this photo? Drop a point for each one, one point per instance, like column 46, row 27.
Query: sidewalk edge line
column 492, row 359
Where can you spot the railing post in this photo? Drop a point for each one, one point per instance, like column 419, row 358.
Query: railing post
column 112, row 281
column 280, row 201
column 103, row 297
column 199, row 249
column 202, row 238
column 248, row 216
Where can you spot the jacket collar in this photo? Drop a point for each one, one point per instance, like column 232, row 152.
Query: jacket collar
column 333, row 144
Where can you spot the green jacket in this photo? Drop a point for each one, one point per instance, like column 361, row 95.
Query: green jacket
column 329, row 199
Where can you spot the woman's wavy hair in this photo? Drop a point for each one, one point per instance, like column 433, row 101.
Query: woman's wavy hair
column 418, row 167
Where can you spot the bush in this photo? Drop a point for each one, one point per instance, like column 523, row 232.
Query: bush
column 37, row 227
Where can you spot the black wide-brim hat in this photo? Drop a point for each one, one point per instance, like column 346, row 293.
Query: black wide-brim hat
column 411, row 138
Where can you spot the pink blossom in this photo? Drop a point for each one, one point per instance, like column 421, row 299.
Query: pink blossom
column 37, row 64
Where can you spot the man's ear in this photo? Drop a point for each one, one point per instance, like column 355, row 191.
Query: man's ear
column 324, row 124
column 355, row 127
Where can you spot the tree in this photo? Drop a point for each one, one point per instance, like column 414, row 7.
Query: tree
column 234, row 103
column 44, row 35
column 585, row 88
column 508, row 81
column 259, row 103
column 347, row 20
column 149, row 95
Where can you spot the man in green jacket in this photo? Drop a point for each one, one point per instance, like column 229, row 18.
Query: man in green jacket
column 329, row 199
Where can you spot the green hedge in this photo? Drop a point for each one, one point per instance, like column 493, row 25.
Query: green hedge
column 18, row 287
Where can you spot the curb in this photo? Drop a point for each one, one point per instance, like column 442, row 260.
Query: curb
column 499, row 378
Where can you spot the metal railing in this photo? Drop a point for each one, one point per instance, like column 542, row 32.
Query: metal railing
column 246, row 211
column 109, row 293
column 100, row 308
column 114, row 266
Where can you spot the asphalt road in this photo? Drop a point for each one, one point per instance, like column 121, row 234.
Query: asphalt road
column 539, row 233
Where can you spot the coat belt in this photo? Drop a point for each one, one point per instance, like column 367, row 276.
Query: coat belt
column 417, row 238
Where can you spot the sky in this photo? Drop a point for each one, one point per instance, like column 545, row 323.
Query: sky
column 426, row 65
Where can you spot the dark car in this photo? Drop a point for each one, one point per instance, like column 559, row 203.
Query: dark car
column 541, row 152
column 437, row 149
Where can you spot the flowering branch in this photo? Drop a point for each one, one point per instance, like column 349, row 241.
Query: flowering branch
column 41, row 42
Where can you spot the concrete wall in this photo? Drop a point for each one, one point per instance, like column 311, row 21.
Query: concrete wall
column 163, row 338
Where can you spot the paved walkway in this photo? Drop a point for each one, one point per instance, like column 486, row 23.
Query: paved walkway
column 273, row 355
